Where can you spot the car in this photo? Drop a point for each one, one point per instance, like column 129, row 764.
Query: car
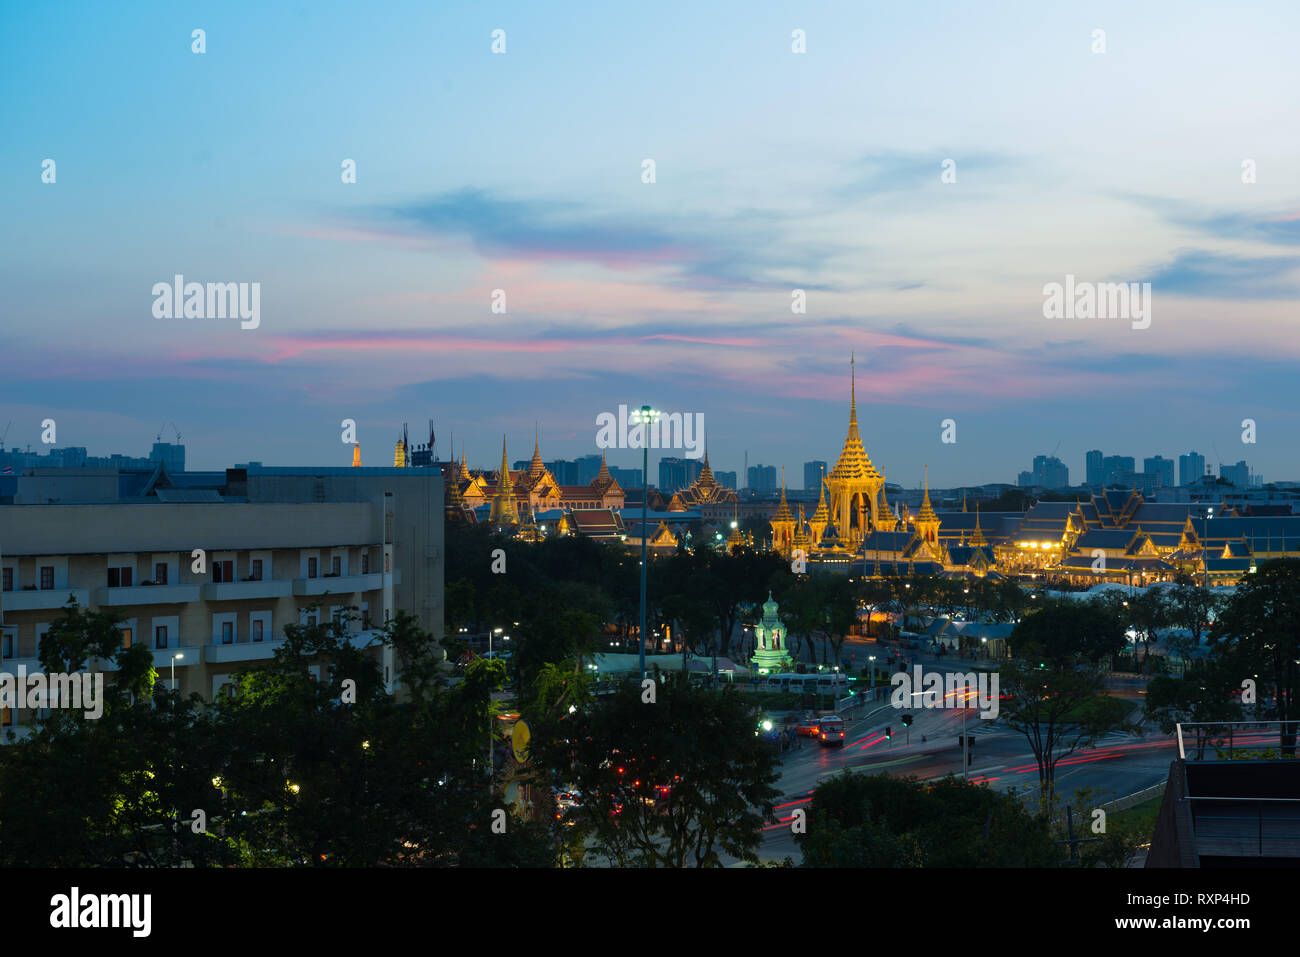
column 807, row 724
column 831, row 731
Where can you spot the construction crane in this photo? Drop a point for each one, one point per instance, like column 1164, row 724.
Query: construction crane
column 177, row 431
column 3, row 434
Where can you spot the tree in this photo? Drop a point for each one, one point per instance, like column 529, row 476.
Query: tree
column 1261, row 622
column 699, row 744
column 112, row 790
column 1061, row 631
column 858, row 820
column 1055, row 687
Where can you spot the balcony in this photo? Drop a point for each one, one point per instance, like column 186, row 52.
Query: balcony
column 50, row 598
column 147, row 595
column 261, row 650
column 241, row 591
column 344, row 585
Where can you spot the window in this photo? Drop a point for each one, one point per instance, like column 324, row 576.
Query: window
column 223, row 571
column 119, row 577
column 6, row 717
column 365, row 563
column 311, row 567
column 227, row 632
column 7, row 580
column 386, row 566
column 47, row 577
column 160, row 636
column 311, row 620
column 336, row 614
column 257, row 629
column 160, row 573
column 256, row 573
column 7, row 645
column 336, row 565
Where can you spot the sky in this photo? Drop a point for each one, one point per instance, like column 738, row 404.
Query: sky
column 774, row 171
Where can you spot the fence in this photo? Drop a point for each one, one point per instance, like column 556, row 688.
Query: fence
column 1132, row 800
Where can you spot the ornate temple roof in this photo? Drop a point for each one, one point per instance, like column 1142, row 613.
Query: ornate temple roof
column 603, row 480
column 783, row 513
column 927, row 514
column 853, row 464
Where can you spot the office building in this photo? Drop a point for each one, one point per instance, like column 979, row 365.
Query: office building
column 812, row 476
column 1191, row 467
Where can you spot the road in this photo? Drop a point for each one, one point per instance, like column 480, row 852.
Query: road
column 1120, row 764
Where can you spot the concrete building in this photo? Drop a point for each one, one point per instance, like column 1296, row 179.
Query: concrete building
column 1162, row 468
column 761, row 478
column 1191, row 467
column 273, row 542
column 812, row 475
column 678, row 473
column 1092, row 466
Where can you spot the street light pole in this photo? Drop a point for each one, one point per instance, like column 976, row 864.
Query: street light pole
column 645, row 417
column 174, row 657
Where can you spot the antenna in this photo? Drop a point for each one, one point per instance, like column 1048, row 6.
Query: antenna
column 432, row 438
column 3, row 434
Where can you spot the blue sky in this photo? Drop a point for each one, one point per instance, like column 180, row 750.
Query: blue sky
column 774, row 171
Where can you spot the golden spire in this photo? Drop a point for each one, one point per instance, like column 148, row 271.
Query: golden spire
column 927, row 514
column 535, row 468
column 977, row 538
column 783, row 513
column 356, row 455
column 963, row 500
column 800, row 539
column 705, row 478
column 853, row 463
column 503, row 503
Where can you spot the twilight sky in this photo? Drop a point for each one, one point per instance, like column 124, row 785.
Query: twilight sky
column 775, row 171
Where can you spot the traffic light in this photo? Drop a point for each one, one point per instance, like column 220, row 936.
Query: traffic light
column 889, row 732
column 907, row 720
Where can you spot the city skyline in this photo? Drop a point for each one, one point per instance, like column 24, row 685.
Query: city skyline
column 175, row 456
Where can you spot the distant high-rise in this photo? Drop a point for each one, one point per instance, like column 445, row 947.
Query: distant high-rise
column 761, row 478
column 588, row 469
column 1049, row 472
column 565, row 472
column 1190, row 468
column 726, row 479
column 628, row 478
column 1093, row 461
column 1118, row 470
column 812, row 475
column 1162, row 467
column 1238, row 475
column 678, row 473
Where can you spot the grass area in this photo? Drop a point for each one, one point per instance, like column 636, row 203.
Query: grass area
column 1142, row 817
